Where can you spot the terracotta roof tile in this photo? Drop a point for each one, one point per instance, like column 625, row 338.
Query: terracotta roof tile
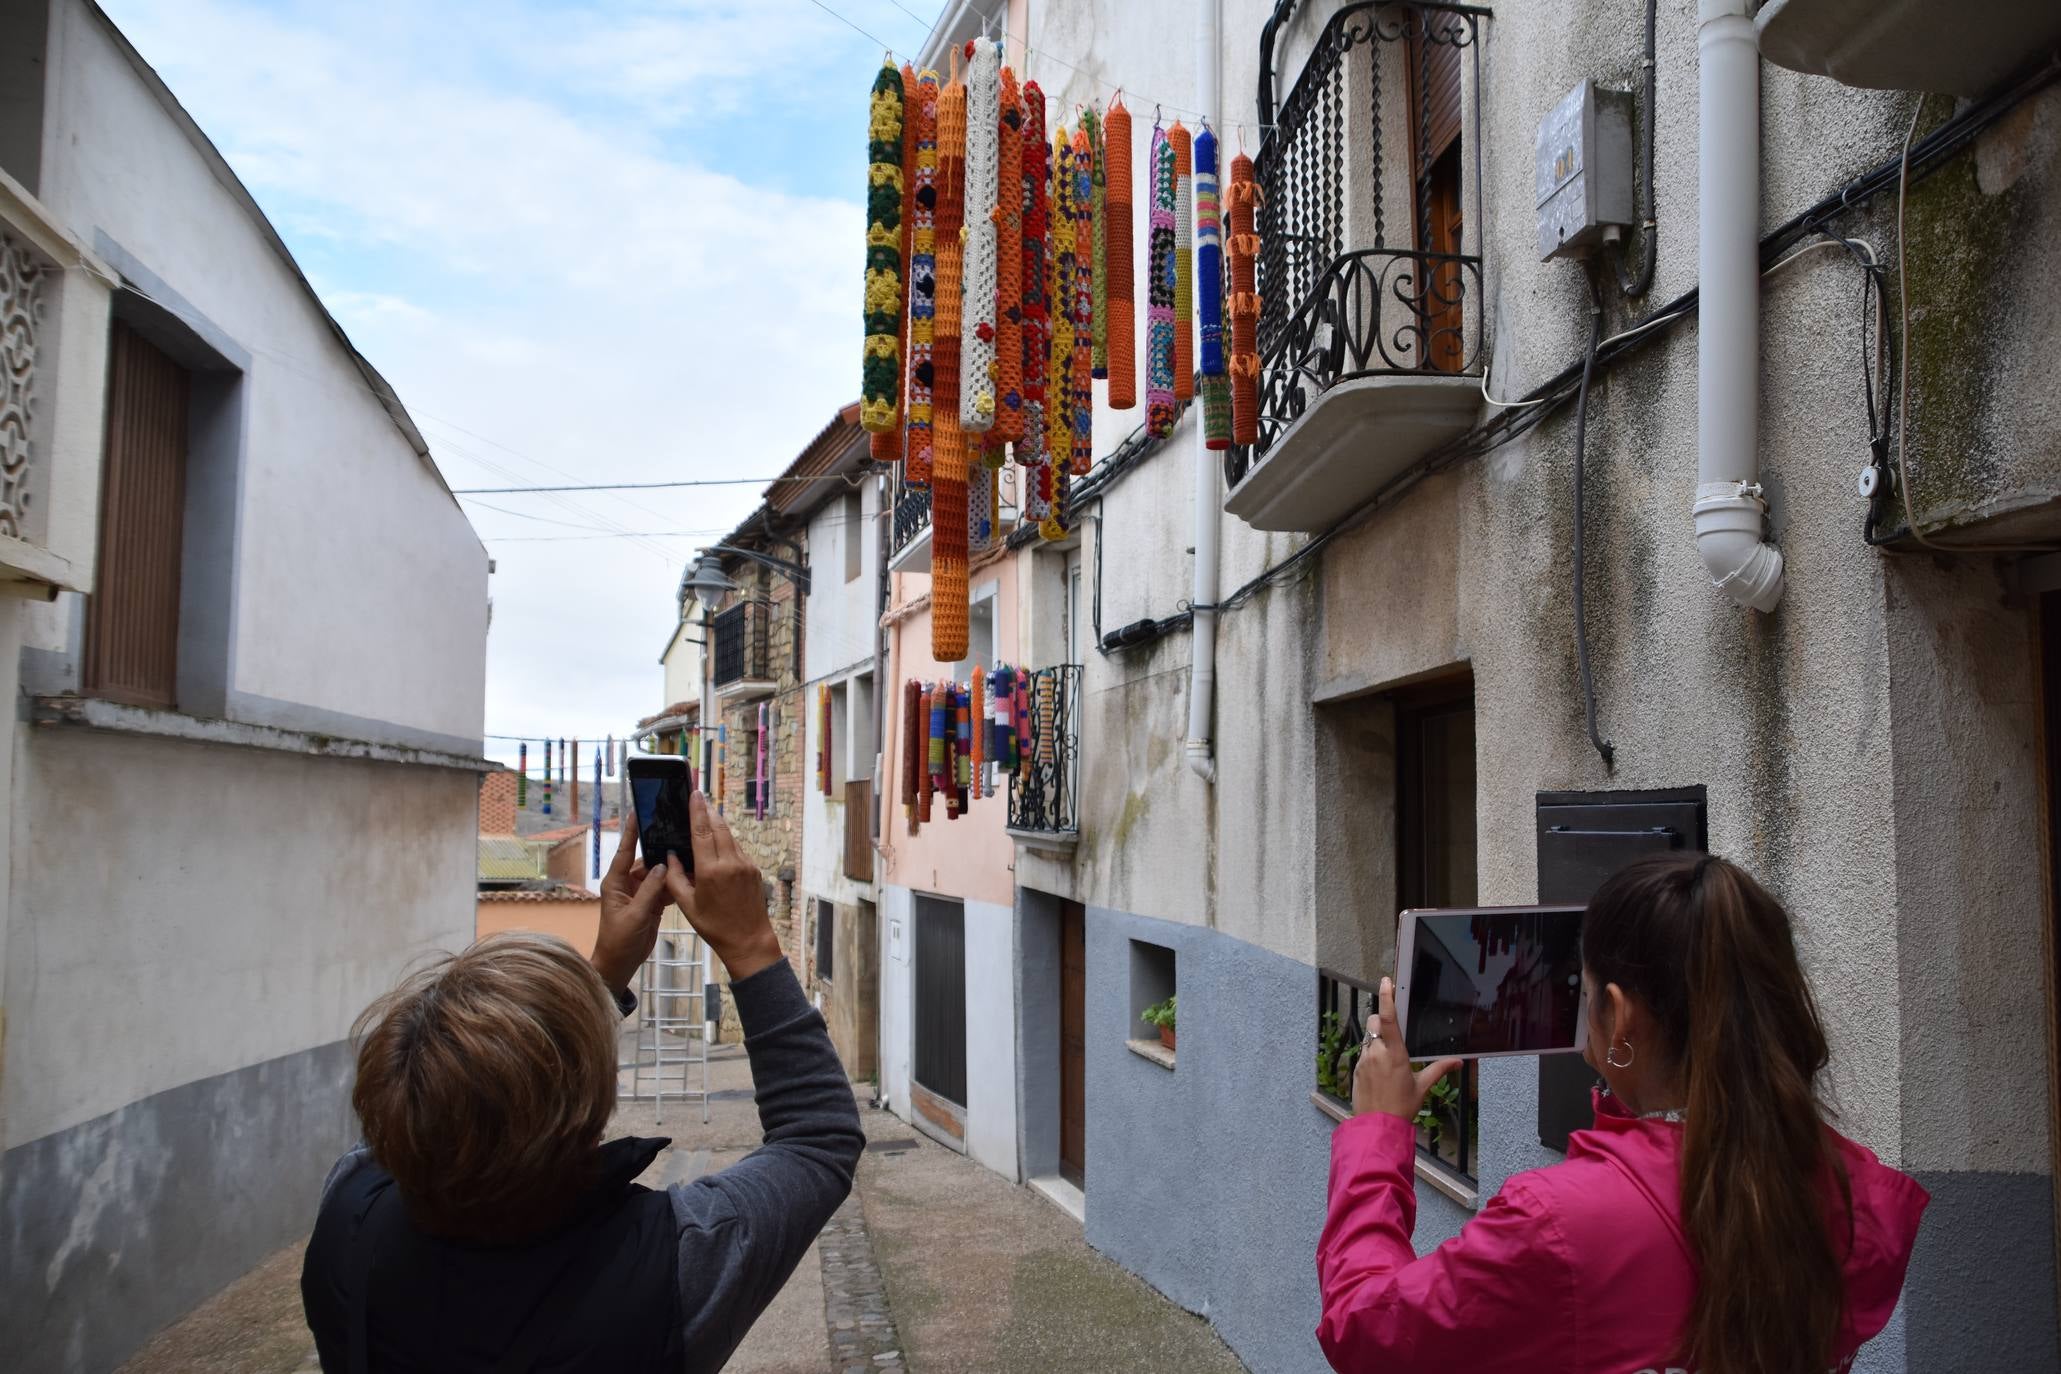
column 544, row 894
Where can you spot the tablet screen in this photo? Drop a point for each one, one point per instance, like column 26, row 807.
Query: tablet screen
column 1493, row 981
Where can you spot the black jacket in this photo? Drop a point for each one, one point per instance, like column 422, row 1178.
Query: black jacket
column 636, row 1280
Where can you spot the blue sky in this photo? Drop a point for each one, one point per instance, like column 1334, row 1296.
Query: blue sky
column 612, row 241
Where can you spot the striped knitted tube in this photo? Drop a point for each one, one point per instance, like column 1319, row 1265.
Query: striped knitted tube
column 886, row 445
column 912, row 702
column 977, row 315
column 1094, row 204
column 1209, row 290
column 1008, row 367
column 1037, row 322
column 522, row 775
column 922, row 281
column 926, row 782
column 1244, row 305
column 881, row 370
column 1184, row 262
column 1083, row 403
column 1159, row 292
column 977, row 710
column 1123, row 305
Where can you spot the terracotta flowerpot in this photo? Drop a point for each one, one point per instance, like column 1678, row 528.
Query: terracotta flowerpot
column 1166, row 1036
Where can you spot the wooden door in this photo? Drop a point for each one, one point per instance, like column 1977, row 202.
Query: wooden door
column 1435, row 172
column 941, row 998
column 1073, row 1043
column 132, row 618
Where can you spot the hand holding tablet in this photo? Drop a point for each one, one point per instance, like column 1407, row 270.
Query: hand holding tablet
column 1479, row 982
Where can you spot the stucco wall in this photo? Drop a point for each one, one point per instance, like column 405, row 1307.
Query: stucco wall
column 336, row 518
column 576, row 923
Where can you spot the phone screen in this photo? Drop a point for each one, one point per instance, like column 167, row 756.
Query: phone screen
column 659, row 788
column 1494, row 982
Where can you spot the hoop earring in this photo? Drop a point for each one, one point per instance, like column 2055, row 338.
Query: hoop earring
column 1610, row 1056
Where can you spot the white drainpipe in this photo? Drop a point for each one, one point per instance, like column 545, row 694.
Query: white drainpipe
column 1202, row 672
column 1730, row 511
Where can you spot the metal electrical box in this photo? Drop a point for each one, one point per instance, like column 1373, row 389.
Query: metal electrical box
column 1584, row 837
column 1585, row 192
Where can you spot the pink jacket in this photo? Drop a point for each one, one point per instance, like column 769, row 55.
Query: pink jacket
column 1579, row 1267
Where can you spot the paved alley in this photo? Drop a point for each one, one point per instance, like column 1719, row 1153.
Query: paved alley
column 935, row 1265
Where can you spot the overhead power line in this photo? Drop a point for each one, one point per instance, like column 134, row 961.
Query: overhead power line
column 645, row 486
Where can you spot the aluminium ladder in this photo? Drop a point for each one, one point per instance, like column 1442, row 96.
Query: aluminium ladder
column 671, row 1035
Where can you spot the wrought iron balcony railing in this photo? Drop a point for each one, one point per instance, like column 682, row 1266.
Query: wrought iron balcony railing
column 1042, row 798
column 741, row 644
column 1447, row 1129
column 1362, row 180
column 912, row 515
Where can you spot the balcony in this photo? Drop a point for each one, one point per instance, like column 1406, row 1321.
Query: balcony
column 909, row 542
column 1370, row 330
column 742, row 664
column 1043, row 796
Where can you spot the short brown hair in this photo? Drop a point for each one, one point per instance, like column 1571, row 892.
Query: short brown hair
column 485, row 1081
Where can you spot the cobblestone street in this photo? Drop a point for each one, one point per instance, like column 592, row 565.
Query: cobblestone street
column 934, row 1265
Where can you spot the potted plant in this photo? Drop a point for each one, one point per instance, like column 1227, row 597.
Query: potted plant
column 1336, row 1058
column 1161, row 1014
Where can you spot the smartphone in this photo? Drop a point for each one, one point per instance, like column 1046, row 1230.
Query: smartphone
column 659, row 789
column 1478, row 982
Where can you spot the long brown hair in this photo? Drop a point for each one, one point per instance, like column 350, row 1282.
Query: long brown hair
column 484, row 1083
column 1710, row 954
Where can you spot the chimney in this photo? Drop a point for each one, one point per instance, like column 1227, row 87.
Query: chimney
column 497, row 804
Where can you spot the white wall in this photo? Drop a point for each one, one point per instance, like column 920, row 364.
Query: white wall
column 991, row 1037
column 342, row 523
column 683, row 661
column 897, row 996
column 842, row 625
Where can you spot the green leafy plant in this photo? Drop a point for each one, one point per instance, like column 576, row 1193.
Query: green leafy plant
column 1440, row 1106
column 1159, row 1014
column 1335, row 1058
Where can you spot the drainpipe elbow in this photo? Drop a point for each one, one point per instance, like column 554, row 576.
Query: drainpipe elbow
column 1202, row 760
column 1730, row 519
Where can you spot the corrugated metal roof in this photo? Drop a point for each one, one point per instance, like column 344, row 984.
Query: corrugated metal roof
column 561, row 893
column 506, row 859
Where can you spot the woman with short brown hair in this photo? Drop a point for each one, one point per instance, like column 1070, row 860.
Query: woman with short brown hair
column 485, row 1225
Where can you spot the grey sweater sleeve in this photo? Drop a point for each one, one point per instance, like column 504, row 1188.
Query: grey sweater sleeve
column 743, row 1230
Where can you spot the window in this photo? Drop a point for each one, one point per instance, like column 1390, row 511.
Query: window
column 861, row 731
column 132, row 623
column 852, row 524
column 826, row 939
column 1435, row 866
column 754, row 738
column 1153, row 989
column 840, row 715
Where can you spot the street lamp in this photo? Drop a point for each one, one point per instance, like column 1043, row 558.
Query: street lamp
column 706, row 582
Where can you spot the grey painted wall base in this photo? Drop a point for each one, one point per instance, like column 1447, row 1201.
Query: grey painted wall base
column 1980, row 1291
column 115, row 1227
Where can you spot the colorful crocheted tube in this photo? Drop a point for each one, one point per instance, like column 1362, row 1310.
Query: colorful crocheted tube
column 1159, row 292
column 1184, row 262
column 912, row 702
column 1008, row 379
column 522, row 775
column 977, row 714
column 572, row 778
column 951, row 252
column 1047, row 733
column 922, row 281
column 933, row 759
column 1081, row 406
column 1094, row 247
column 1059, row 290
column 881, row 371
column 977, row 315
column 547, row 776
column 1037, row 322
column 1244, row 305
column 1216, row 412
column 1123, row 304
column 886, row 446
column 980, row 509
column 1209, row 255
column 948, row 446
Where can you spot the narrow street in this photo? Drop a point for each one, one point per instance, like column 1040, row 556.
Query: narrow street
column 934, row 1266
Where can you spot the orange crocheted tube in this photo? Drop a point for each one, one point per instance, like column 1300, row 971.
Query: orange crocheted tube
column 1243, row 305
column 1123, row 305
column 1008, row 368
column 951, row 253
column 948, row 587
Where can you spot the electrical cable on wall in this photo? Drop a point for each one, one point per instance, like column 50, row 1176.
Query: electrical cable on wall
column 1581, row 622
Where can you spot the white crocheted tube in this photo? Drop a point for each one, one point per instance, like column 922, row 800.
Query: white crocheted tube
column 983, row 174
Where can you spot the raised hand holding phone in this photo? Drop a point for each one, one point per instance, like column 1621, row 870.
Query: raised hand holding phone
column 633, row 897
column 723, row 897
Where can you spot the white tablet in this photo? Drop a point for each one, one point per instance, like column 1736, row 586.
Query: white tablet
column 1478, row 982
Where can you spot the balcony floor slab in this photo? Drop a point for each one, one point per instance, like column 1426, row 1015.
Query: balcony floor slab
column 1353, row 440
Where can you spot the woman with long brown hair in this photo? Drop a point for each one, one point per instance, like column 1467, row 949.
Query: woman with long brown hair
column 1710, row 1221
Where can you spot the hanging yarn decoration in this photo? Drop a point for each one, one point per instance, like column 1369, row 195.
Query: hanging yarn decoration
column 522, row 775
column 912, row 702
column 1047, row 688
column 880, row 375
column 609, row 757
column 1244, row 305
column 572, row 777
column 1209, row 280
column 962, row 743
column 922, row 281
column 759, row 764
column 597, row 811
column 823, row 739
column 977, row 714
column 1184, row 262
column 1087, row 310
column 885, row 446
column 980, row 508
column 1122, row 331
column 1009, row 284
column 1036, row 328
column 547, row 776
column 977, row 315
column 1093, row 246
column 1159, row 293
column 1061, row 272
column 948, row 590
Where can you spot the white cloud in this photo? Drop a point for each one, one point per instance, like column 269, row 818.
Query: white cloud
column 547, row 283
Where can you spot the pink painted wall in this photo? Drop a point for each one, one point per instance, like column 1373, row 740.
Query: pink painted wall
column 974, row 855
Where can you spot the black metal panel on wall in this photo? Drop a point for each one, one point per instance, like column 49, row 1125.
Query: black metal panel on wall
column 941, row 997
column 1583, row 838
